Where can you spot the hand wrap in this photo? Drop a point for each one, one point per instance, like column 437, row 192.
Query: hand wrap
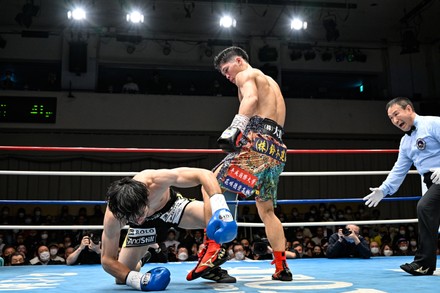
column 221, row 227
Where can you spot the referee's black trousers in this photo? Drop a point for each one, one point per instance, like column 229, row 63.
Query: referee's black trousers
column 428, row 214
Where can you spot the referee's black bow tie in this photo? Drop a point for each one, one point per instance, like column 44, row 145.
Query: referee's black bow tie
column 411, row 130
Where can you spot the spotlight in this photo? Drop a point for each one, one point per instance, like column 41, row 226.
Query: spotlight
column 135, row 17
column 77, row 14
column 228, row 21
column 332, row 33
column 410, row 44
column 295, row 54
column 166, row 49
column 326, row 56
column 309, row 55
column 297, row 24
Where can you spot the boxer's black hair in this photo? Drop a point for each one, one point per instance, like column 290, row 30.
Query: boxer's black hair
column 401, row 101
column 227, row 54
column 127, row 198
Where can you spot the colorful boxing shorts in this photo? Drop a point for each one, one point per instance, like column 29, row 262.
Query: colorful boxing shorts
column 256, row 168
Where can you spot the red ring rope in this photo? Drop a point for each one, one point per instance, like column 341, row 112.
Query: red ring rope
column 193, row 151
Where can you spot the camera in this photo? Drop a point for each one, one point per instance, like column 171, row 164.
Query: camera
column 346, row 232
column 260, row 247
column 95, row 238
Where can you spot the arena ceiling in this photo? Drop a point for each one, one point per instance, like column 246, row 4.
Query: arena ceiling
column 355, row 21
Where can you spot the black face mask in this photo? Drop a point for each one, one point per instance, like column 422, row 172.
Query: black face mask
column 17, row 264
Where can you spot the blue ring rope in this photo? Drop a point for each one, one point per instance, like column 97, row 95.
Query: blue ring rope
column 240, row 202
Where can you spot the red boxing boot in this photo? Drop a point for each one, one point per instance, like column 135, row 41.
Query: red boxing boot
column 211, row 257
column 282, row 271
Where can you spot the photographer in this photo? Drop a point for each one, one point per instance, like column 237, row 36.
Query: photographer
column 348, row 243
column 261, row 249
column 87, row 252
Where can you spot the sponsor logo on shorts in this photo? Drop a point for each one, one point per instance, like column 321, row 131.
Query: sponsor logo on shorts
column 270, row 149
column 140, row 237
column 240, row 181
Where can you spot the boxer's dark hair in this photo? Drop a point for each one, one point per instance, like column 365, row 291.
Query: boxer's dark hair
column 127, row 198
column 401, row 101
column 227, row 54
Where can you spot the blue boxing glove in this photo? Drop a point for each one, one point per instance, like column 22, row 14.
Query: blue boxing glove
column 156, row 279
column 221, row 227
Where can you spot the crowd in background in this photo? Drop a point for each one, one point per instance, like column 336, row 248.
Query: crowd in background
column 54, row 247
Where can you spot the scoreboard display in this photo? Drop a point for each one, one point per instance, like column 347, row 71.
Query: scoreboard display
column 28, row 109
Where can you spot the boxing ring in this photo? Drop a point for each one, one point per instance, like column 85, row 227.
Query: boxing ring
column 378, row 274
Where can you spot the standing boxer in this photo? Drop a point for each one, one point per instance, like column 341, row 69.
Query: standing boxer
column 150, row 206
column 420, row 146
column 254, row 140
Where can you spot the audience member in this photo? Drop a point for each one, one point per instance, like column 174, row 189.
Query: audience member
column 7, row 251
column 317, row 252
column 87, row 252
column 130, row 86
column 171, row 240
column 239, row 253
column 402, row 247
column 17, row 259
column 374, row 248
column 53, row 250
column 38, row 218
column 43, row 257
column 387, row 250
column 348, row 243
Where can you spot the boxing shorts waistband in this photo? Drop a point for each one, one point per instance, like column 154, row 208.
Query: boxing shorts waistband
column 270, row 127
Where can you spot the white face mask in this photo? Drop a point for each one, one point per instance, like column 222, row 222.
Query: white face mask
column 374, row 250
column 388, row 252
column 44, row 236
column 403, row 248
column 45, row 255
column 413, row 243
column 182, row 256
column 239, row 255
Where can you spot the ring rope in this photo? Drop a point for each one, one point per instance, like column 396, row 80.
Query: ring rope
column 240, row 224
column 208, row 151
column 91, row 173
column 191, row 151
column 244, row 202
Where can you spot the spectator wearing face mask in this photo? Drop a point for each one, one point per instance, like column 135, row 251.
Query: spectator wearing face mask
column 402, row 247
column 43, row 257
column 412, row 246
column 348, row 243
column 239, row 252
column 182, row 254
column 53, row 251
column 374, row 248
column 387, row 250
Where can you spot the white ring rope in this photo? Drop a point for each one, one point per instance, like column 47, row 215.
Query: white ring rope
column 90, row 173
column 240, row 224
